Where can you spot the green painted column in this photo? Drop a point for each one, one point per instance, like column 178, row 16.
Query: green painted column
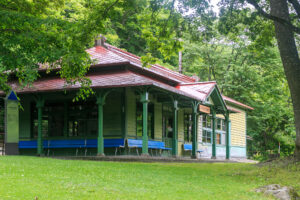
column 145, row 101
column 39, row 105
column 66, row 121
column 227, row 121
column 175, row 129
column 213, row 156
column 194, row 131
column 100, row 146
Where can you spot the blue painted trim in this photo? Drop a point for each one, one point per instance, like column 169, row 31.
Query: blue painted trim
column 12, row 96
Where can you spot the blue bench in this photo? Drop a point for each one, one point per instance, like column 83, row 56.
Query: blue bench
column 189, row 147
column 135, row 143
column 80, row 143
column 32, row 144
column 108, row 143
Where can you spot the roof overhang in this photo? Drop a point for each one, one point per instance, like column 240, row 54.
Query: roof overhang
column 109, row 79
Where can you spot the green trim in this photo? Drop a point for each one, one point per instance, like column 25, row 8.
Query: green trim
column 213, row 134
column 217, row 97
column 101, row 96
column 124, row 116
column 40, row 104
column 175, row 129
column 194, row 129
column 228, row 127
column 145, row 100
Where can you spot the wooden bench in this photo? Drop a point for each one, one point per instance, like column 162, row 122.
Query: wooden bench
column 189, row 147
column 135, row 143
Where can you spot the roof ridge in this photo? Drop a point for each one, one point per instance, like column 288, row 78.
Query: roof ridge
column 114, row 48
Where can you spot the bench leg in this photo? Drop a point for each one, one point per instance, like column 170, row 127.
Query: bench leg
column 76, row 152
column 85, row 151
column 116, row 151
column 137, row 151
column 48, row 152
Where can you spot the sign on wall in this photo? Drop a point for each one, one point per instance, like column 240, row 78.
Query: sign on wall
column 204, row 109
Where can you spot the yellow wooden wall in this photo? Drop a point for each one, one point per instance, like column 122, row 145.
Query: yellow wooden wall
column 158, row 121
column 199, row 131
column 238, row 128
column 180, row 130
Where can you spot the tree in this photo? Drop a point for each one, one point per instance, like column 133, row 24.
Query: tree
column 282, row 17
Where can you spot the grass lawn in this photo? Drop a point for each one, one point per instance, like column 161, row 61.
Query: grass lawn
column 29, row 177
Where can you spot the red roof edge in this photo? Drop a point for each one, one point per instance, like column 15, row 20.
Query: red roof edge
column 230, row 100
column 198, row 83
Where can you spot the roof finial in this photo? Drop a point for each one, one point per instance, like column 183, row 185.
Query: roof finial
column 197, row 78
column 100, row 40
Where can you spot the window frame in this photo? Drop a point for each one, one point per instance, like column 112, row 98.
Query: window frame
column 220, row 131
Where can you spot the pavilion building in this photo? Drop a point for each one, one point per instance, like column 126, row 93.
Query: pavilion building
column 155, row 110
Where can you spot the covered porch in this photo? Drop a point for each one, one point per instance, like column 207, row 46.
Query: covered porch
column 128, row 114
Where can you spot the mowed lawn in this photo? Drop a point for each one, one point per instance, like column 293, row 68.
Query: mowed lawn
column 45, row 178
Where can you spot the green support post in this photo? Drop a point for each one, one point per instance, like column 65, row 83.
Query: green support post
column 40, row 104
column 145, row 101
column 213, row 134
column 175, row 135
column 66, row 121
column 194, row 130
column 100, row 102
column 227, row 120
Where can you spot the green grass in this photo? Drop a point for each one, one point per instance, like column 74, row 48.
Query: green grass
column 29, row 177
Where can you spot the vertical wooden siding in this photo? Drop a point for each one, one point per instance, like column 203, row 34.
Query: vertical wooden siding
column 180, row 130
column 238, row 129
column 157, row 121
column 199, row 131
column 131, row 112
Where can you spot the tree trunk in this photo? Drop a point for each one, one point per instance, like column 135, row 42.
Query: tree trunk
column 290, row 59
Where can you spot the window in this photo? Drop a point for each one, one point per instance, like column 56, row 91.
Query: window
column 206, row 136
column 139, row 120
column 81, row 119
column 221, row 124
column 206, row 121
column 167, row 122
column 34, row 122
column 207, row 130
column 188, row 128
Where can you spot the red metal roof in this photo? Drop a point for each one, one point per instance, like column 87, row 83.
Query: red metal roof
column 136, row 60
column 232, row 101
column 121, row 78
column 199, row 89
column 110, row 55
column 103, row 56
